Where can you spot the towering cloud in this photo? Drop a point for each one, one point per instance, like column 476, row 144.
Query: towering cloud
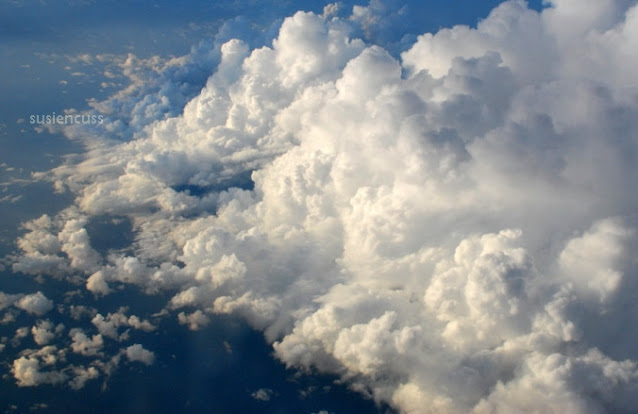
column 450, row 231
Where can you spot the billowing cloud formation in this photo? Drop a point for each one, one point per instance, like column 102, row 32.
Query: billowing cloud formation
column 451, row 231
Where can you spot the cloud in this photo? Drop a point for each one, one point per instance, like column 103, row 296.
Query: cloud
column 7, row 300
column 82, row 376
column 84, row 345
column 43, row 366
column 109, row 325
column 195, row 320
column 28, row 372
column 8, row 317
column 44, row 332
column 22, row 332
column 262, row 394
column 137, row 353
column 77, row 312
column 35, row 303
column 450, row 230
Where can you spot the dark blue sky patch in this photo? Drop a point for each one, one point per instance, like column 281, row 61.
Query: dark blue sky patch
column 109, row 233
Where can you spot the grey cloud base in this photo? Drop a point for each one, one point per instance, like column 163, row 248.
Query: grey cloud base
column 450, row 232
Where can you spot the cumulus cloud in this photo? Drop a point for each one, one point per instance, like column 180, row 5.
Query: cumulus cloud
column 82, row 375
column 78, row 312
column 138, row 353
column 7, row 300
column 44, row 332
column 7, row 318
column 262, row 394
column 109, row 325
column 83, row 345
column 195, row 321
column 31, row 369
column 27, row 373
column 22, row 332
column 49, row 365
column 35, row 303
column 449, row 230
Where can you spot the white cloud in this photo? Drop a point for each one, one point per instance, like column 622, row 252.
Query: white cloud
column 554, row 382
column 28, row 369
column 452, row 229
column 84, row 345
column 35, row 303
column 82, row 375
column 22, row 332
column 109, row 325
column 138, row 353
column 45, row 331
column 75, row 243
column 27, row 372
column 262, row 394
column 195, row 321
column 7, row 318
column 591, row 261
column 40, row 246
column 77, row 312
column 7, row 300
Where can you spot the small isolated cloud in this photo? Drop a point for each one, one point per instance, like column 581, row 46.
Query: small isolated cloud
column 36, row 304
column 7, row 318
column 83, row 345
column 195, row 321
column 22, row 332
column 263, row 394
column 137, row 353
column 44, row 332
column 78, row 312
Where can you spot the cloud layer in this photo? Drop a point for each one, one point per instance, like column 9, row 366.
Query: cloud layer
column 451, row 231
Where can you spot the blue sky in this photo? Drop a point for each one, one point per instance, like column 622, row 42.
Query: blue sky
column 420, row 207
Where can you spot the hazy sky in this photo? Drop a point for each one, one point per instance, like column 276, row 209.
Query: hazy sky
column 431, row 202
